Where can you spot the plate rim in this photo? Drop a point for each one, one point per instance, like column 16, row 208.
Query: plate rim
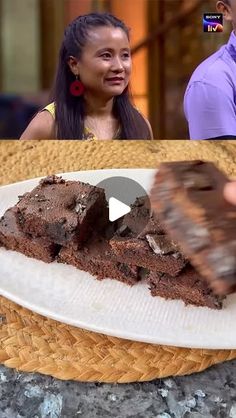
column 75, row 172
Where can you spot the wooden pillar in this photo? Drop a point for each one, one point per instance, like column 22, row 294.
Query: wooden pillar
column 156, row 70
column 52, row 23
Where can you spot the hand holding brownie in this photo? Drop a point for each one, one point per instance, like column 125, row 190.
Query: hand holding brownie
column 230, row 192
column 189, row 198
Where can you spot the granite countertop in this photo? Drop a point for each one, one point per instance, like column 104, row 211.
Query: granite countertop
column 211, row 393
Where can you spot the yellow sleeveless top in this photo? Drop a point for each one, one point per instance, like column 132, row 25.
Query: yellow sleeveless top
column 87, row 133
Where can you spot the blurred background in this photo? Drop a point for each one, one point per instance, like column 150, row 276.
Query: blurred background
column 167, row 42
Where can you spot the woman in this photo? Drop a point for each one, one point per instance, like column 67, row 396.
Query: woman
column 91, row 96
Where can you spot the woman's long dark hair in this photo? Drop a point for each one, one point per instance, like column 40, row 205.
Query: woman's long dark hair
column 69, row 111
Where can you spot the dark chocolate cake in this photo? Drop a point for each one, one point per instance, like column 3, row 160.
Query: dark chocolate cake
column 188, row 286
column 98, row 258
column 13, row 238
column 64, row 212
column 141, row 240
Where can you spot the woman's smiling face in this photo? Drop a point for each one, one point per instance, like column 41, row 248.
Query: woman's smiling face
column 105, row 65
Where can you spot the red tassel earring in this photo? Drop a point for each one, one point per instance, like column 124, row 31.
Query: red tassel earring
column 77, row 87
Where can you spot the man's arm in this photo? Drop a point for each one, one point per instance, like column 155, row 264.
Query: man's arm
column 210, row 112
column 224, row 137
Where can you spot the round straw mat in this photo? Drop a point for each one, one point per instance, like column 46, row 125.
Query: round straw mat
column 33, row 343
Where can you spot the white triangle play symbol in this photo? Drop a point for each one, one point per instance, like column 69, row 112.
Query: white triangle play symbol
column 117, row 209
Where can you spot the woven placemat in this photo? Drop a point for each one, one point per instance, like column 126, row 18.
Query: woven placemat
column 33, row 343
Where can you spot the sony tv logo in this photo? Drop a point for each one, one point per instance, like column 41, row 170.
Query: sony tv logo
column 213, row 22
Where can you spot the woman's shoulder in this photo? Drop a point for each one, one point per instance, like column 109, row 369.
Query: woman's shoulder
column 42, row 125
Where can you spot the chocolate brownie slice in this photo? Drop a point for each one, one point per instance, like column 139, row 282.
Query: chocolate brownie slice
column 188, row 286
column 141, row 240
column 188, row 197
column 98, row 258
column 63, row 211
column 12, row 238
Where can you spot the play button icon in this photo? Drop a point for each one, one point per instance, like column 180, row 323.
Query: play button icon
column 121, row 193
column 117, row 209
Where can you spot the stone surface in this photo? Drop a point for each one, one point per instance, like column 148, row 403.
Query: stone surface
column 210, row 394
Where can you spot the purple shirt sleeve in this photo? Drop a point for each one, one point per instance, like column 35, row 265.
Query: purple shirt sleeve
column 210, row 111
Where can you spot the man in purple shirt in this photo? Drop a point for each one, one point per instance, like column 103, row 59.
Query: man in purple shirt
column 210, row 97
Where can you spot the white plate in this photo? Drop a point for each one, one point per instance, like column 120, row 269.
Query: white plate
column 72, row 296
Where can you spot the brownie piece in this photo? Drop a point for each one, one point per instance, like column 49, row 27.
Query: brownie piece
column 97, row 258
column 138, row 218
column 188, row 286
column 63, row 211
column 188, row 197
column 141, row 240
column 12, row 238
